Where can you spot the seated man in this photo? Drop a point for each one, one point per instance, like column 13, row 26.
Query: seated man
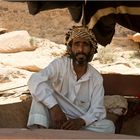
column 68, row 94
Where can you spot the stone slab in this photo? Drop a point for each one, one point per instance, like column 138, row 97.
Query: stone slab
column 57, row 134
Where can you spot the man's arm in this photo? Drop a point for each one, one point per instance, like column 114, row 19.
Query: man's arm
column 40, row 86
column 57, row 116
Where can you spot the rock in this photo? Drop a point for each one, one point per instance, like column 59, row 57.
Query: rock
column 8, row 74
column 32, row 68
column 15, row 41
column 135, row 37
column 24, row 97
column 116, row 104
column 3, row 30
column 34, row 60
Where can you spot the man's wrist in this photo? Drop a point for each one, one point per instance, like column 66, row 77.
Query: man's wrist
column 82, row 122
column 55, row 108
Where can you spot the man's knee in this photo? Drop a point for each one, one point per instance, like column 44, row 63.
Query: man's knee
column 110, row 126
column 38, row 116
column 105, row 126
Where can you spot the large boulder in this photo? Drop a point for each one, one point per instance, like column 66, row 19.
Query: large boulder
column 15, row 41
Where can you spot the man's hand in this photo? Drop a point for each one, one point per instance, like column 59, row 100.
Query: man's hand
column 73, row 124
column 58, row 117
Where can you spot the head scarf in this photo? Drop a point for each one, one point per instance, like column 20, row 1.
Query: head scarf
column 82, row 32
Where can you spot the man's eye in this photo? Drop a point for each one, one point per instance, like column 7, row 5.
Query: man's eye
column 86, row 44
column 76, row 43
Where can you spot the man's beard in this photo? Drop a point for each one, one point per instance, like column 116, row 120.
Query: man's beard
column 80, row 58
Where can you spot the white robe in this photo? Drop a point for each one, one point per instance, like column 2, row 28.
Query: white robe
column 57, row 84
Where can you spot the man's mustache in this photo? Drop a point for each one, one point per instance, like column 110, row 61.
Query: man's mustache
column 76, row 54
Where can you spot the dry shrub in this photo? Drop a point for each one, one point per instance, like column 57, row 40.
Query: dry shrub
column 136, row 54
column 106, row 55
column 135, row 57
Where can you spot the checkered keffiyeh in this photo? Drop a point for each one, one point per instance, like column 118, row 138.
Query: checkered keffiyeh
column 82, row 32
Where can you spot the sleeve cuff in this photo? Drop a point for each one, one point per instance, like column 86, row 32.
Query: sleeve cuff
column 50, row 102
column 88, row 120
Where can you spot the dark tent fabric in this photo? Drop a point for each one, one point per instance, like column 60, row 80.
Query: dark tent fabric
column 100, row 16
column 75, row 8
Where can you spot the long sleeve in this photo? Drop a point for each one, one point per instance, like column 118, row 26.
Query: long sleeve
column 40, row 86
column 96, row 110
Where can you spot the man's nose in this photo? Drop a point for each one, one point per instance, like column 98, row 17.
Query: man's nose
column 80, row 48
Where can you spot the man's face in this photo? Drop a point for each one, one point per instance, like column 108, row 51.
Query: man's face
column 80, row 50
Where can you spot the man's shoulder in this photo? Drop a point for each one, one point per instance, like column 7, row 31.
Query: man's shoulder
column 95, row 73
column 61, row 60
column 93, row 70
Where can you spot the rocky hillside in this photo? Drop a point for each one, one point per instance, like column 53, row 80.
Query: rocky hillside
column 48, row 24
column 51, row 24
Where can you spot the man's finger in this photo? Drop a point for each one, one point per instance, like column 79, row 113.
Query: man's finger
column 68, row 125
column 65, row 124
